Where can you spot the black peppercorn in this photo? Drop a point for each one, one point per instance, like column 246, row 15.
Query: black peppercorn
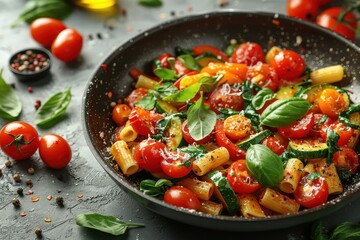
column 20, row 191
column 31, row 171
column 59, row 201
column 16, row 202
column 8, row 163
column 16, row 177
column 38, row 232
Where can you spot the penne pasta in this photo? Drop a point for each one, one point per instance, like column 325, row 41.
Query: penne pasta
column 210, row 161
column 278, row 202
column 128, row 134
column 202, row 189
column 249, row 206
column 354, row 118
column 330, row 74
column 271, row 53
column 210, row 207
column 292, row 175
column 124, row 158
column 145, row 82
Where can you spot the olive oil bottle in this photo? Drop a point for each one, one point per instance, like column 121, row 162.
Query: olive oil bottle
column 95, row 4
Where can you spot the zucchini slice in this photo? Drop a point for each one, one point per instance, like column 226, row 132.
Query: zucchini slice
column 223, row 191
column 287, row 92
column 175, row 138
column 254, row 139
column 309, row 148
column 164, row 107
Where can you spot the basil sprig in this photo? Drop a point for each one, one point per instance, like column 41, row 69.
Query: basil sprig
column 259, row 100
column 159, row 92
column 264, row 165
column 53, row 109
column 345, row 116
column 155, row 188
column 10, row 105
column 189, row 62
column 165, row 74
column 332, row 139
column 284, row 112
column 201, row 120
column 104, row 223
column 345, row 230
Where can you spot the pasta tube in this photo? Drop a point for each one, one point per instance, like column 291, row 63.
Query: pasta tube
column 327, row 74
column 123, row 157
column 278, row 202
column 292, row 175
column 210, row 161
column 128, row 134
column 202, row 189
column 210, row 207
column 249, row 206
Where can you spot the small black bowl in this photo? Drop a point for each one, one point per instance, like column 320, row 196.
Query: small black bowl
column 30, row 64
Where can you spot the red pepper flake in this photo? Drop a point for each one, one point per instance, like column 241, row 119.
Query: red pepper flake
column 80, row 195
column 224, row 3
column 37, row 104
column 109, row 94
column 129, row 28
column 23, row 214
column 276, row 22
column 189, row 8
column 119, row 101
column 30, row 89
column 103, row 66
column 1, row 172
column 49, row 198
column 102, row 134
column 302, row 50
column 35, row 199
column 123, row 12
column 29, row 192
column 48, row 219
column 90, row 36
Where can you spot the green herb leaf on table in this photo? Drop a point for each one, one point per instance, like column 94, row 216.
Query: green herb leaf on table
column 189, row 62
column 104, row 223
column 259, row 100
column 10, row 104
column 343, row 231
column 150, row 3
column 53, row 109
column 155, row 188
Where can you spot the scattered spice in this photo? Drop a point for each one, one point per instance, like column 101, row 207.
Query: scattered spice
column 30, row 89
column 162, row 15
column 38, row 232
column 90, row 36
column 37, row 104
column 112, row 104
column 8, row 163
column 99, row 36
column 59, row 201
column 16, row 202
column 103, row 66
column 29, row 192
column 189, row 8
column 224, row 3
column 49, row 198
column 1, row 172
column 29, row 62
column 48, row 219
column 31, row 170
column 35, row 199
column 123, row 12
column 23, row 214
column 80, row 195
column 129, row 28
column 276, row 22
column 20, row 191
column 109, row 94
column 17, row 177
column 172, row 13
column 28, row 182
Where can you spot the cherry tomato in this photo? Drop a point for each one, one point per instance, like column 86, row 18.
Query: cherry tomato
column 55, row 151
column 345, row 132
column 319, row 121
column 303, row 9
column 299, row 128
column 226, row 96
column 189, row 139
column 164, row 60
column 267, row 103
column 143, row 121
column 180, row 68
column 202, row 49
column 45, row 30
column 182, row 197
column 135, row 73
column 263, row 75
column 248, row 53
column 274, row 144
column 149, row 154
column 135, row 96
column 329, row 19
column 237, row 127
column 288, row 64
column 67, row 45
column 331, row 102
column 222, row 140
column 311, row 193
column 347, row 158
column 176, row 164
column 239, row 178
column 19, row 140
column 233, row 72
column 120, row 114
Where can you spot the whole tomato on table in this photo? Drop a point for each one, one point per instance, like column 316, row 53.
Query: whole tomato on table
column 45, row 30
column 55, row 151
column 67, row 45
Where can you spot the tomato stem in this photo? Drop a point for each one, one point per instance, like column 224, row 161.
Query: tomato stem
column 18, row 141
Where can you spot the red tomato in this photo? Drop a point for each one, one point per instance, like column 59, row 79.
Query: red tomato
column 331, row 102
column 182, row 197
column 329, row 19
column 311, row 193
column 19, row 140
column 149, row 154
column 267, row 103
column 239, row 178
column 67, row 45
column 303, row 9
column 120, row 114
column 45, row 30
column 135, row 73
column 143, row 121
column 299, row 128
column 274, row 144
column 164, row 60
column 222, row 140
column 288, row 64
column 135, row 96
column 345, row 132
column 323, row 2
column 315, row 131
column 263, row 75
column 227, row 96
column 180, row 68
column 237, row 127
column 176, row 164
column 248, row 53
column 347, row 158
column 202, row 49
column 188, row 138
column 55, row 151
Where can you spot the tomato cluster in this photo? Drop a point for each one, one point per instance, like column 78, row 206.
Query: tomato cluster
column 342, row 20
column 20, row 140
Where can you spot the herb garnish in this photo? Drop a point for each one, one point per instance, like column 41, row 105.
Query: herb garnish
column 10, row 105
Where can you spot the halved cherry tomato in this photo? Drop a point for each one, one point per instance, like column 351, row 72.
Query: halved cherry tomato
column 237, row 127
column 149, row 154
column 191, row 79
column 176, row 164
column 120, row 114
column 164, row 60
column 231, row 72
column 239, row 178
column 54, row 151
column 19, row 140
column 299, row 128
column 303, row 9
column 288, row 64
column 189, row 139
column 202, row 49
column 45, row 30
column 345, row 132
column 347, row 158
column 182, row 197
column 222, row 140
column 263, row 75
column 67, row 45
column 331, row 102
column 311, row 193
column 135, row 96
column 274, row 144
column 177, row 83
column 226, row 96
column 319, row 122
column 143, row 121
column 249, row 53
column 180, row 68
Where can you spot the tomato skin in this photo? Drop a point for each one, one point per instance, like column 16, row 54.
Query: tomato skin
column 143, row 121
column 180, row 68
column 120, row 114
column 274, row 144
column 182, row 197
column 303, row 9
column 237, row 127
column 164, row 60
column 331, row 102
column 189, row 139
column 54, row 151
column 311, row 193
column 345, row 132
column 45, row 30
column 202, row 49
column 346, row 158
column 263, row 75
column 135, row 96
column 226, row 96
column 323, row 2
column 67, row 45
column 249, row 53
column 173, row 164
column 149, row 154
column 29, row 135
column 299, row 128
column 239, row 178
column 315, row 131
column 288, row 64
column 267, row 103
column 328, row 19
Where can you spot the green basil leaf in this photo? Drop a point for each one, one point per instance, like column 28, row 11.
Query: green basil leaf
column 189, row 62
column 285, row 156
column 264, row 165
column 209, row 84
column 147, row 102
column 247, row 92
column 284, row 112
column 10, row 104
column 165, row 74
column 155, row 188
column 185, row 94
column 150, row 3
column 313, row 176
column 194, row 151
column 254, row 117
column 317, row 232
column 230, row 49
column 201, row 120
column 343, row 173
column 345, row 116
column 261, row 98
column 346, row 231
column 332, row 139
column 226, row 112
column 183, row 51
column 103, row 223
column 53, row 109
column 165, row 89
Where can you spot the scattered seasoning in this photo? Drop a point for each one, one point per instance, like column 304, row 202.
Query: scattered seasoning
column 129, row 28
column 38, row 232
column 8, row 163
column 189, row 8
column 28, row 182
column 162, row 15
column 113, row 104
column 35, row 199
column 276, row 22
column 30, row 89
column 29, row 62
column 172, row 13
column 49, row 197
column 99, row 36
column 90, row 36
column 29, row 192
column 123, row 12
column 20, row 191
column 102, row 134
column 224, row 3
column 13, row 85
column 48, row 219
column 16, row 202
column 1, row 172
column 17, row 177
column 103, row 66
column 37, row 104
column 59, row 190
column 80, row 195
column 59, row 201
column 109, row 94
column 31, row 170
column 23, row 214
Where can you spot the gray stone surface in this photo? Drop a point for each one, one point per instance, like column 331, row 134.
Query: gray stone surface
column 84, row 175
